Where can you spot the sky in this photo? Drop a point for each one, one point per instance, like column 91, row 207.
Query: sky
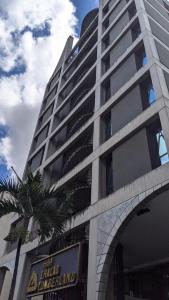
column 32, row 36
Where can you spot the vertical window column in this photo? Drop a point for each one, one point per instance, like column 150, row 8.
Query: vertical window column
column 162, row 148
column 157, row 145
column 148, row 92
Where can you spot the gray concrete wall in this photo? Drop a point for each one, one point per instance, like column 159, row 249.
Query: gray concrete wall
column 117, row 10
column 118, row 27
column 6, row 286
column 120, row 47
column 159, row 5
column 163, row 54
column 127, row 109
column 156, row 15
column 123, row 74
column 167, row 79
column 131, row 160
column 159, row 32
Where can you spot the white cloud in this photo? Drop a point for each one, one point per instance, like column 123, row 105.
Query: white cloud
column 5, row 148
column 21, row 95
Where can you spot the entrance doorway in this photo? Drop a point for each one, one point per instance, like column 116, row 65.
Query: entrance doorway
column 140, row 263
column 151, row 283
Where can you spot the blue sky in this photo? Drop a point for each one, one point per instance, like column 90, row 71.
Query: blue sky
column 30, row 36
column 3, row 167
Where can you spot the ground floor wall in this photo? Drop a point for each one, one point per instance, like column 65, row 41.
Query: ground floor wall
column 106, row 223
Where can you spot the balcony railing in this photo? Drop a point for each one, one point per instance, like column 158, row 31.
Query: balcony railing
column 79, row 123
column 83, row 42
column 79, row 97
column 79, row 191
column 77, row 156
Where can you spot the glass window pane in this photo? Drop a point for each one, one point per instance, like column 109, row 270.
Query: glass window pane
column 145, row 60
column 164, row 159
column 162, row 146
column 151, row 95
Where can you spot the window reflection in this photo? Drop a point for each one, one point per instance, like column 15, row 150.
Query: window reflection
column 162, row 149
column 144, row 60
column 151, row 95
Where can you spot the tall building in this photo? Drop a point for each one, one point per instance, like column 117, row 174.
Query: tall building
column 103, row 137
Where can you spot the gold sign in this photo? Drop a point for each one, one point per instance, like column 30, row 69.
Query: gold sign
column 58, row 271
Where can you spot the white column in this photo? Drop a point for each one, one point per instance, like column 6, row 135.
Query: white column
column 91, row 283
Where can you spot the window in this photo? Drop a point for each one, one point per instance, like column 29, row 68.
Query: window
column 162, row 149
column 166, row 4
column 141, row 58
column 106, row 24
column 106, row 64
column 108, row 126
column 106, row 42
column 105, row 9
column 135, row 31
column 106, row 91
column 148, row 93
column 109, row 174
column 151, row 96
column 157, row 145
column 36, row 161
column 132, row 11
column 144, row 59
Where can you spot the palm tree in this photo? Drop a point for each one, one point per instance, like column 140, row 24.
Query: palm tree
column 30, row 199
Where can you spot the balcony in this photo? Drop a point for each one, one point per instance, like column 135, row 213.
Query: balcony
column 74, row 158
column 49, row 97
column 81, row 69
column 45, row 117
column 78, row 190
column 87, row 83
column 38, row 140
column 76, row 122
column 53, row 80
column 80, row 121
column 71, row 157
column 84, row 45
column 36, row 161
column 84, row 88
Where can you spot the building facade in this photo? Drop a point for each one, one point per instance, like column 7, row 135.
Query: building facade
column 103, row 137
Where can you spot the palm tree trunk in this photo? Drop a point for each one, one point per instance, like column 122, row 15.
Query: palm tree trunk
column 13, row 284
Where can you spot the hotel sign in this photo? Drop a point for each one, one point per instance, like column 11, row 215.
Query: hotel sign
column 56, row 272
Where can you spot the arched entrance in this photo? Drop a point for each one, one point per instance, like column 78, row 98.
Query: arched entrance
column 5, row 283
column 139, row 264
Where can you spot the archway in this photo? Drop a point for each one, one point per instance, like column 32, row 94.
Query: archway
column 139, row 264
column 5, row 282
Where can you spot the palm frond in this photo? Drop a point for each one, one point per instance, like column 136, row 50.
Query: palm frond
column 9, row 206
column 49, row 208
column 9, row 185
column 50, row 222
